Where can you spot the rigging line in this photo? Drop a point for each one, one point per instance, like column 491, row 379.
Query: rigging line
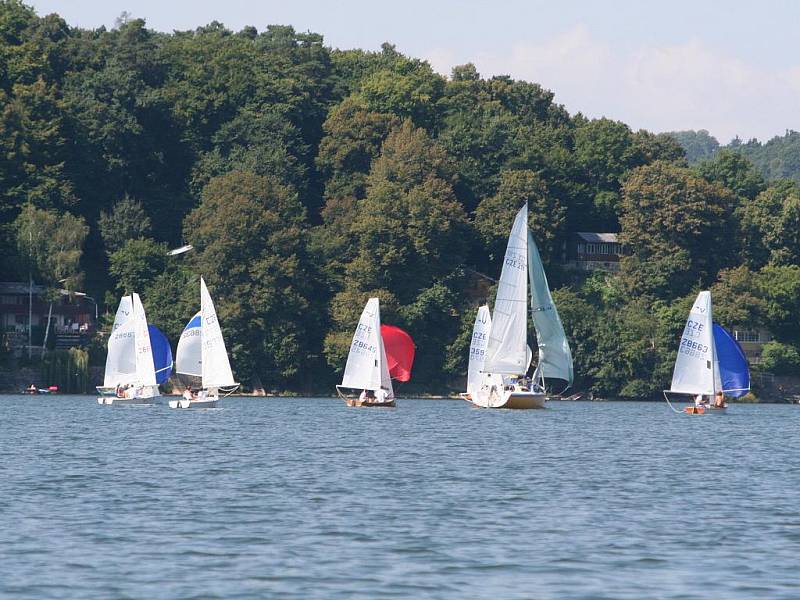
column 670, row 403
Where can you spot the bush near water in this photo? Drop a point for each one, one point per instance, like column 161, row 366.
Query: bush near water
column 310, row 178
column 67, row 369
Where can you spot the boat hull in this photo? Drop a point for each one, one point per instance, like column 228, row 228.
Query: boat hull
column 705, row 410
column 114, row 401
column 519, row 399
column 355, row 402
column 183, row 403
column 525, row 400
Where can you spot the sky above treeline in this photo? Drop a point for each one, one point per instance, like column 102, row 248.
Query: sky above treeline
column 729, row 66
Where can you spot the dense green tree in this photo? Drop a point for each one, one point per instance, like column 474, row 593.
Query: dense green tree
column 410, row 236
column 677, row 228
column 770, row 226
column 734, row 172
column 126, row 221
column 546, row 216
column 51, row 244
column 780, row 288
column 780, row 359
column 698, row 145
column 248, row 236
column 136, row 264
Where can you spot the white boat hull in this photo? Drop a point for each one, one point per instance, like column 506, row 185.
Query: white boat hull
column 183, row 403
column 113, row 401
column 143, row 397
column 512, row 397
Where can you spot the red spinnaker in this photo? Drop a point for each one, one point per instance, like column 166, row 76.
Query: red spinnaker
column 399, row 352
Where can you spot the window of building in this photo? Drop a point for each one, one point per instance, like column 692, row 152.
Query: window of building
column 747, row 336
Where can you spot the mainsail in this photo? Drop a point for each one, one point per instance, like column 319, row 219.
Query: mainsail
column 145, row 368
column 366, row 367
column 507, row 347
column 477, row 350
column 216, row 367
column 120, row 361
column 695, row 365
column 555, row 358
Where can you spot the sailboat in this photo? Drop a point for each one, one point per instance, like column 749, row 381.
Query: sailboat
column 504, row 382
column 710, row 363
column 367, row 369
column 202, row 360
column 139, row 357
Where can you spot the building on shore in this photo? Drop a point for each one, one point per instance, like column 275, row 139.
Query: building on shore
column 73, row 317
column 589, row 251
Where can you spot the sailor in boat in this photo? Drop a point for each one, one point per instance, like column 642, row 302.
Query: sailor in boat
column 700, row 401
column 187, row 393
column 32, row 389
column 380, row 395
column 367, row 396
column 719, row 400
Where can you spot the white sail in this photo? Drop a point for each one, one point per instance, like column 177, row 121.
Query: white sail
column 477, row 350
column 367, row 359
column 120, row 361
column 189, row 357
column 145, row 368
column 555, row 358
column 695, row 366
column 216, row 368
column 506, row 352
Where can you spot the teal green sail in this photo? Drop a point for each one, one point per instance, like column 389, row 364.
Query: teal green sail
column 555, row 358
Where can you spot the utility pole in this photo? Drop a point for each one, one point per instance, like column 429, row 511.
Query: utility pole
column 30, row 293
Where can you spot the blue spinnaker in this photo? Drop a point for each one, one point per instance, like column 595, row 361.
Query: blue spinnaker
column 162, row 354
column 734, row 372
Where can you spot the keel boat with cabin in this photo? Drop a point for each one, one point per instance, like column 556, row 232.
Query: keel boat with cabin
column 503, row 380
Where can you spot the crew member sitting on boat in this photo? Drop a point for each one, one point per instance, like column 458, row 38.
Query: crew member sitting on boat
column 367, row 396
column 380, row 395
column 701, row 401
column 187, row 393
column 719, row 400
column 32, row 389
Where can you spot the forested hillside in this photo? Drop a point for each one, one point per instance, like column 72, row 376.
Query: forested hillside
column 778, row 158
column 309, row 178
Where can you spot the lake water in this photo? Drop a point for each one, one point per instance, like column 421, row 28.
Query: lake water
column 305, row 498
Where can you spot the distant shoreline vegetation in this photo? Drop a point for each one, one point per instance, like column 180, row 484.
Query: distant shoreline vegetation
column 308, row 179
